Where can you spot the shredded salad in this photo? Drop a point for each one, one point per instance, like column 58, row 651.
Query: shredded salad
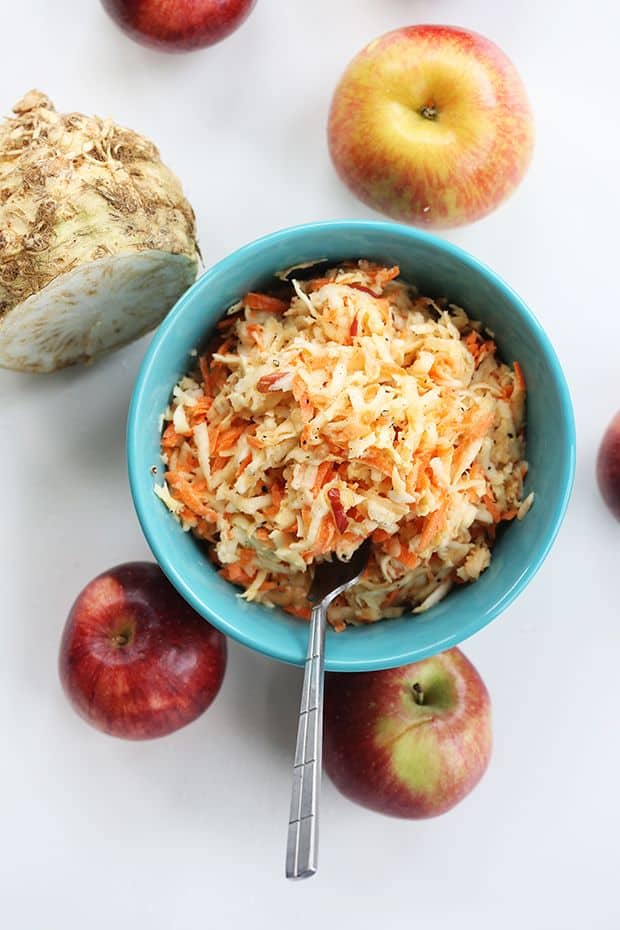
column 345, row 407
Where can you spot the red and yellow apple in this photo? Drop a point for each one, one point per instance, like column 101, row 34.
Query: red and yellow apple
column 431, row 125
column 136, row 660
column 411, row 741
column 608, row 466
column 178, row 25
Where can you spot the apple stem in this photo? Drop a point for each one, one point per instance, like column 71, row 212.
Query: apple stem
column 429, row 111
column 122, row 637
column 418, row 693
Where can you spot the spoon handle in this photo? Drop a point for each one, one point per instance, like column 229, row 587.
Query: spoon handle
column 302, row 844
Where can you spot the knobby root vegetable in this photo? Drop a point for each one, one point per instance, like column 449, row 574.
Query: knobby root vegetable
column 97, row 241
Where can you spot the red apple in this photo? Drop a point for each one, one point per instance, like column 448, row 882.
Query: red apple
column 411, row 741
column 431, row 125
column 135, row 660
column 178, row 25
column 608, row 466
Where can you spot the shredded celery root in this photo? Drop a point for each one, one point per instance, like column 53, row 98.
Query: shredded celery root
column 349, row 408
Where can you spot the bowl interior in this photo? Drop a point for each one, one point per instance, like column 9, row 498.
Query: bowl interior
column 440, row 270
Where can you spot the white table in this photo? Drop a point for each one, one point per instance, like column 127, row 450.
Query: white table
column 189, row 831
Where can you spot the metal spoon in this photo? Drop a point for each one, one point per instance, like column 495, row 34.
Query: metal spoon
column 330, row 580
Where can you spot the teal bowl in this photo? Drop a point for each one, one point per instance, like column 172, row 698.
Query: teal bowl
column 439, row 269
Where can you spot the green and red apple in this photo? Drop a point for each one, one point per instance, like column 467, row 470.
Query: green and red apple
column 411, row 741
column 431, row 125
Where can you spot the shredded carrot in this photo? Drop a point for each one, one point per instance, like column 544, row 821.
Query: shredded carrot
column 381, row 460
column 305, row 436
column 477, row 431
column 323, row 475
column 361, row 287
column 380, row 536
column 185, row 493
column 472, row 341
column 228, row 438
column 411, row 481
column 256, row 332
column 170, row 438
column 222, row 350
column 325, row 537
column 420, row 479
column 333, row 447
column 277, row 495
column 235, row 573
column 424, row 482
column 316, row 283
column 255, row 442
column 218, row 462
column 509, row 514
column 269, row 383
column 199, row 411
column 432, row 525
column 519, row 378
column 490, row 504
column 481, row 428
column 384, row 275
column 303, row 611
column 264, row 302
column 487, row 348
column 243, row 465
column 351, row 431
column 218, row 377
column 408, row 558
column 203, row 529
column 301, row 396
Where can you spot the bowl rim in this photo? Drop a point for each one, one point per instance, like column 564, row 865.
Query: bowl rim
column 136, row 481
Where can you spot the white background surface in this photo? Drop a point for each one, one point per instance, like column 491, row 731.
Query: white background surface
column 189, row 831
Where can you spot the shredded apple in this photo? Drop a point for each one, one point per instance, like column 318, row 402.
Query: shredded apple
column 352, row 407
